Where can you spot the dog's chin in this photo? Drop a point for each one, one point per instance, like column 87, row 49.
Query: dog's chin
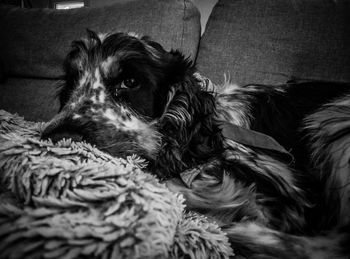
column 125, row 145
column 125, row 149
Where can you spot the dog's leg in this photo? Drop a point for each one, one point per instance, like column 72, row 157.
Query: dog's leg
column 224, row 199
column 214, row 192
column 245, row 184
column 219, row 197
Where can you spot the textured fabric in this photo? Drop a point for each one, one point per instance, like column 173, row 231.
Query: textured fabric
column 32, row 98
column 272, row 41
column 74, row 201
column 34, row 42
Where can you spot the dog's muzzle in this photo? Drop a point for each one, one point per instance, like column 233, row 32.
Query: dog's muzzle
column 60, row 128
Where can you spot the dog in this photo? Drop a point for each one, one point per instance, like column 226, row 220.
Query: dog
column 127, row 95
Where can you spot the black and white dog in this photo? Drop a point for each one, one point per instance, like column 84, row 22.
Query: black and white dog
column 127, row 95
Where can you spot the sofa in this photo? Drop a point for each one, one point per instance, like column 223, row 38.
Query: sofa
column 250, row 41
column 245, row 41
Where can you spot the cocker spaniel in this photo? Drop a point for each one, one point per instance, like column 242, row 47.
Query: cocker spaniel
column 218, row 145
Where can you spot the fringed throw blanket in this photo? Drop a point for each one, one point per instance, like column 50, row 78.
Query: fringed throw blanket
column 70, row 200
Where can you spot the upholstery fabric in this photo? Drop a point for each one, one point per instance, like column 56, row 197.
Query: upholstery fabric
column 34, row 42
column 34, row 99
column 272, row 41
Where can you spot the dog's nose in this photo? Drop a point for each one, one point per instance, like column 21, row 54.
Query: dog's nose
column 62, row 132
column 60, row 128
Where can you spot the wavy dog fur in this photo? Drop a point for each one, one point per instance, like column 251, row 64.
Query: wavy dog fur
column 126, row 94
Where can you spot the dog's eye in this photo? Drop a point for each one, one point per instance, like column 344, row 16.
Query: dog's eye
column 130, row 83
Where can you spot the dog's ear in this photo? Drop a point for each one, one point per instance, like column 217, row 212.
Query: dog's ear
column 191, row 134
column 179, row 67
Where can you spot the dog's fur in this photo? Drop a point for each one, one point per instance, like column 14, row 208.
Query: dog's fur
column 126, row 95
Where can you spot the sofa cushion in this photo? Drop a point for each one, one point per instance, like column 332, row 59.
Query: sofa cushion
column 34, row 42
column 272, row 41
column 33, row 99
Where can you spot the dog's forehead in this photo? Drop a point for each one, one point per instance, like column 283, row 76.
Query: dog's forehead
column 110, row 65
column 113, row 54
column 121, row 46
column 90, row 79
column 89, row 97
column 110, row 52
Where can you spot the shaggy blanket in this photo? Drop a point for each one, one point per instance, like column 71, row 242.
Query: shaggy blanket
column 70, row 200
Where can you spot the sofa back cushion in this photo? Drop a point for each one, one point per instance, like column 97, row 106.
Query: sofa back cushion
column 34, row 42
column 272, row 41
column 33, row 99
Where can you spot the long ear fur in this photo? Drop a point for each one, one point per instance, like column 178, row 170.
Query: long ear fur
column 180, row 67
column 176, row 65
column 191, row 134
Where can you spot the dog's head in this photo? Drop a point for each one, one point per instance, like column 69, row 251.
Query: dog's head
column 125, row 93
